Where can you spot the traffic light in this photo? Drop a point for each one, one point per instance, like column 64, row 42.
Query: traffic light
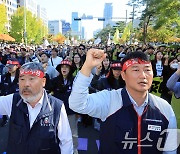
column 77, row 19
column 101, row 19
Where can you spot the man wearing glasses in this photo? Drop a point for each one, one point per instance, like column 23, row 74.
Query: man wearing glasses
column 81, row 51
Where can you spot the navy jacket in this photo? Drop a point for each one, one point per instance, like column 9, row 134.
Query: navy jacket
column 62, row 92
column 8, row 87
column 125, row 128
column 42, row 137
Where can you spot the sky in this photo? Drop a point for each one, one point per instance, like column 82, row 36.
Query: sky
column 62, row 9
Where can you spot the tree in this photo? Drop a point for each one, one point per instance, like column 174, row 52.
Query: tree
column 17, row 25
column 164, row 13
column 59, row 38
column 34, row 27
column 104, row 33
column 120, row 25
column 50, row 38
column 161, row 35
column 3, row 18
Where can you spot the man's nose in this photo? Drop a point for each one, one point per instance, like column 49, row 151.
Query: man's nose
column 142, row 74
column 27, row 83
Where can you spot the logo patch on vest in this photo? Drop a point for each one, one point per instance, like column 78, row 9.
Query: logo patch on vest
column 154, row 128
column 45, row 122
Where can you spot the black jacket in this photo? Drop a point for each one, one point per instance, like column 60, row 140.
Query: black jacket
column 62, row 92
column 42, row 137
column 8, row 87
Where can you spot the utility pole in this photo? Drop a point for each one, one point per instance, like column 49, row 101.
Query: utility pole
column 126, row 17
column 133, row 15
column 132, row 25
column 25, row 33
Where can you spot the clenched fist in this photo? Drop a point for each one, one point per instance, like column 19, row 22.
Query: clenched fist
column 94, row 58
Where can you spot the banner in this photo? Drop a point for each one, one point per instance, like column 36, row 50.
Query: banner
column 155, row 88
column 175, row 103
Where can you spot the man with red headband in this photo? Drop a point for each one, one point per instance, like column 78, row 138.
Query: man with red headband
column 38, row 121
column 134, row 121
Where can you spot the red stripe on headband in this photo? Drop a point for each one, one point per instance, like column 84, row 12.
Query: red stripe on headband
column 116, row 65
column 131, row 62
column 12, row 62
column 37, row 73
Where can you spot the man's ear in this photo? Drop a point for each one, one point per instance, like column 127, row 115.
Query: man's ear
column 123, row 75
column 44, row 81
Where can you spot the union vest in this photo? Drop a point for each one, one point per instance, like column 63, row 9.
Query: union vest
column 123, row 131
column 42, row 138
column 8, row 87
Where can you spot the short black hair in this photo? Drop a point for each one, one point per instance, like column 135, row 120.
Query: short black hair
column 45, row 53
column 136, row 54
column 82, row 45
column 151, row 47
column 55, row 49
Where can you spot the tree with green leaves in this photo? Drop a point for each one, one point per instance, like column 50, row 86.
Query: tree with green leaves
column 3, row 18
column 34, row 27
column 104, row 33
column 164, row 13
column 120, row 25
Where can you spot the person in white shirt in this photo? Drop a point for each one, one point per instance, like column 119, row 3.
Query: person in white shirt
column 55, row 59
column 38, row 121
column 48, row 68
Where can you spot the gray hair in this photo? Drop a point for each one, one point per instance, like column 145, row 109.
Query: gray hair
column 32, row 66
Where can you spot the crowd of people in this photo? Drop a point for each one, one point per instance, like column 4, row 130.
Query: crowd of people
column 101, row 70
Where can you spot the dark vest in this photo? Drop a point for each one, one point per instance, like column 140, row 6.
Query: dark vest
column 8, row 87
column 63, row 92
column 42, row 138
column 124, row 127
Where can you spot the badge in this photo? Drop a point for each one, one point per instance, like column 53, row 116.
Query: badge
column 46, row 120
column 154, row 128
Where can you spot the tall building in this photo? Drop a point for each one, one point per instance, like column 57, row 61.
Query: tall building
column 82, row 33
column 75, row 23
column 11, row 6
column 42, row 14
column 108, row 9
column 55, row 27
column 31, row 5
column 66, row 27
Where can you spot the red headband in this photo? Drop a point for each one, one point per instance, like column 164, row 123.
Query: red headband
column 12, row 62
column 37, row 73
column 131, row 62
column 116, row 65
column 65, row 62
